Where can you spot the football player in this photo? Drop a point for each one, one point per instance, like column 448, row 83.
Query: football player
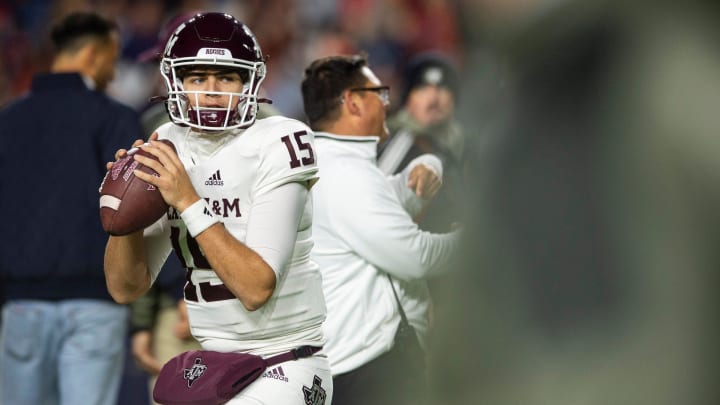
column 239, row 216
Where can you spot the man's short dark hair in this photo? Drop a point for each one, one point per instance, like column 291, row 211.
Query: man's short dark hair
column 75, row 29
column 324, row 82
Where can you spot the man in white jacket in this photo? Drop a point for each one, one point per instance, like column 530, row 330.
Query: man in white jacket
column 372, row 255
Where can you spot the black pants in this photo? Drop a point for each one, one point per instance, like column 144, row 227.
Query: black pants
column 391, row 379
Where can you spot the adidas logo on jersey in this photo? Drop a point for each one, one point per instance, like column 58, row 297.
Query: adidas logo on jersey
column 214, row 180
column 276, row 373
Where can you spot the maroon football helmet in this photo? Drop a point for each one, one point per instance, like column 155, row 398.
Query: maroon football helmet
column 217, row 40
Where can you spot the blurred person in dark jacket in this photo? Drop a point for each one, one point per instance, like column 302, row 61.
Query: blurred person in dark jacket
column 62, row 337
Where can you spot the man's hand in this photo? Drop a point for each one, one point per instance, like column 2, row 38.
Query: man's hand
column 141, row 346
column 182, row 327
column 172, row 180
column 424, row 181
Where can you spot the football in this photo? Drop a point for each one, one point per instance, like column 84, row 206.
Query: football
column 127, row 203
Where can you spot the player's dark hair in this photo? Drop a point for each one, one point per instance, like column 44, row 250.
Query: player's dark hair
column 324, row 82
column 76, row 29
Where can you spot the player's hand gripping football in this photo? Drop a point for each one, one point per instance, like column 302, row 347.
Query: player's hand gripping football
column 127, row 202
column 121, row 153
column 172, row 180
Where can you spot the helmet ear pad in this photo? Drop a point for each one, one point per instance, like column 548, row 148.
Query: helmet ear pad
column 218, row 42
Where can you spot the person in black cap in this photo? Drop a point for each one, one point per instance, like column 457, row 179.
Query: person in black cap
column 427, row 72
column 426, row 124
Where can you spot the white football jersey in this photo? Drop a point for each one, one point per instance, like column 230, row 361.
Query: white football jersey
column 239, row 167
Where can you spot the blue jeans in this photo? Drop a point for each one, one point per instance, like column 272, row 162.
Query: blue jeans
column 62, row 352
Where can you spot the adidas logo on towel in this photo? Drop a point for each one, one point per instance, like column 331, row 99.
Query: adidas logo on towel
column 276, row 373
column 214, row 180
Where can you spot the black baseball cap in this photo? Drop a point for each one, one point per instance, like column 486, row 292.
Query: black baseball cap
column 432, row 68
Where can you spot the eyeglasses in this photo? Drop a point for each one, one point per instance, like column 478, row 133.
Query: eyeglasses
column 382, row 91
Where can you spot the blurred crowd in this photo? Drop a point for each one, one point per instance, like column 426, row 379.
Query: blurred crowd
column 290, row 32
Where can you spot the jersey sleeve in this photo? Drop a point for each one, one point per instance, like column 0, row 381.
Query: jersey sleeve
column 157, row 246
column 273, row 225
column 287, row 154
